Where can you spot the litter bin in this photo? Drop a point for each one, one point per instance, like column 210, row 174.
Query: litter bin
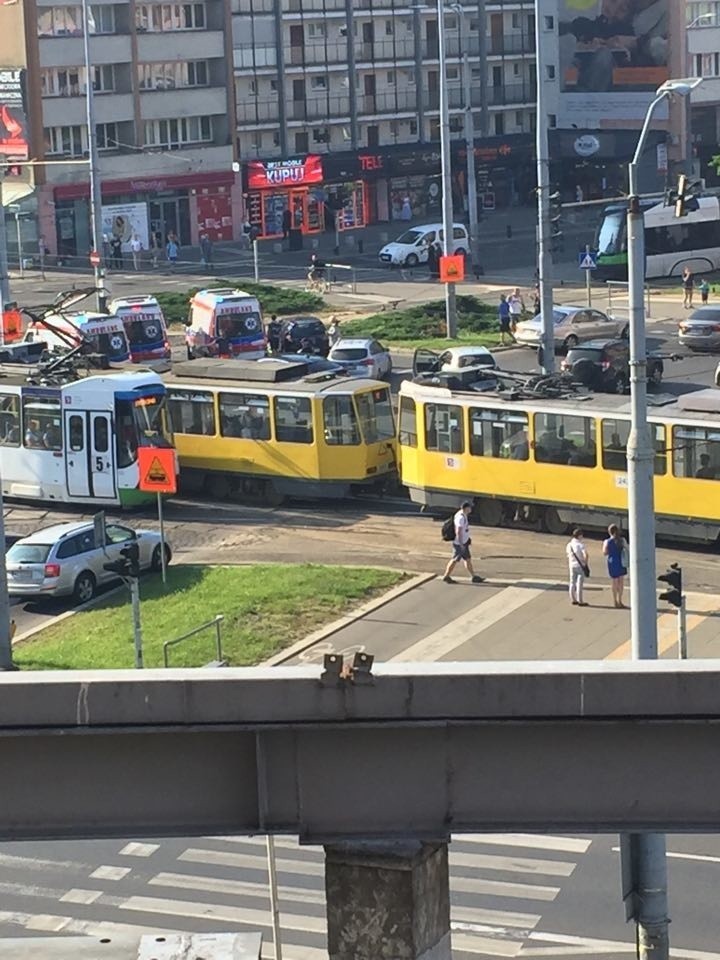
column 295, row 240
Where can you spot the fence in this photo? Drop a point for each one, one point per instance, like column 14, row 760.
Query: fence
column 619, row 290
column 218, row 662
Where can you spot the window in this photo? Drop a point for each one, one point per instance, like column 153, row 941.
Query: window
column 376, row 416
column 168, row 76
column 67, row 21
column 340, row 422
column 41, row 419
column 499, row 433
column 117, row 534
column 293, row 420
column 552, row 120
column 77, row 433
column 456, row 123
column 302, row 142
column 516, row 69
column 408, row 422
column 244, row 415
column 9, row 420
column 100, row 434
column 162, row 17
column 65, row 140
column 516, row 21
column 560, row 438
column 615, row 435
column 518, row 118
column 316, row 30
column 410, row 78
column 499, row 125
column 550, row 71
column 682, row 236
column 273, row 86
column 413, row 128
column 444, row 428
column 192, row 412
column 696, row 452
column 453, row 74
column 321, row 135
column 388, row 28
column 62, row 82
column 102, row 18
column 450, row 23
column 68, row 548
column 390, row 77
column 104, row 78
column 173, row 133
column 318, row 83
column 106, row 136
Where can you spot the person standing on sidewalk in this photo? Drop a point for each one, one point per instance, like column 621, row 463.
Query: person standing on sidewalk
column 615, row 548
column 42, row 254
column 136, row 249
column 461, row 545
column 206, row 251
column 172, row 249
column 578, row 569
column 504, row 318
column 517, row 308
column 688, row 283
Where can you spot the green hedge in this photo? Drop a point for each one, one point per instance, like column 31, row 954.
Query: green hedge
column 425, row 321
column 280, row 300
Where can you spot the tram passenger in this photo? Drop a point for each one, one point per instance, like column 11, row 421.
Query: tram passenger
column 705, row 471
column 33, row 437
column 519, row 446
column 52, row 437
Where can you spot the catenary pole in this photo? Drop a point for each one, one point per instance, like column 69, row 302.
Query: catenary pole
column 543, row 30
column 469, row 134
column 6, row 661
column 94, row 166
column 447, row 205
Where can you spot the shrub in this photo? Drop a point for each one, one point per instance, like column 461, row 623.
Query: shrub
column 424, row 322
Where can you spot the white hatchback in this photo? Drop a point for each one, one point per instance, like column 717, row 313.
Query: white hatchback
column 362, row 358
column 411, row 247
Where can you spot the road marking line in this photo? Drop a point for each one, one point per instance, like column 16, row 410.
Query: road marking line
column 226, row 859
column 139, row 849
column 614, row 946
column 185, row 881
column 700, row 857
column 530, row 840
column 81, row 896
column 110, row 873
column 438, row 644
column 700, row 605
column 36, row 863
column 243, row 916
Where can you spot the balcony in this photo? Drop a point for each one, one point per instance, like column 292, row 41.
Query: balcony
column 512, row 94
column 251, row 113
column 68, row 52
column 183, row 102
column 180, row 45
column 254, row 57
column 400, row 101
column 325, row 108
column 71, row 111
column 513, row 44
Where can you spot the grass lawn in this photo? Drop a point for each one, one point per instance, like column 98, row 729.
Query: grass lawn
column 266, row 607
column 489, row 340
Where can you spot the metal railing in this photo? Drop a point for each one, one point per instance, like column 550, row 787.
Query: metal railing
column 331, row 280
column 619, row 290
column 186, row 636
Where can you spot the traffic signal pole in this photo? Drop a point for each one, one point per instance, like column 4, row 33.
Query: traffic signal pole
column 137, row 626
column 682, row 630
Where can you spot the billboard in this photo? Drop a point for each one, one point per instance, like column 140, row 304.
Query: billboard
column 262, row 174
column 124, row 220
column 613, row 55
column 13, row 122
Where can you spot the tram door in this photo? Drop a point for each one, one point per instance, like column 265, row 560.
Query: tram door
column 90, row 457
column 76, row 456
column 102, row 456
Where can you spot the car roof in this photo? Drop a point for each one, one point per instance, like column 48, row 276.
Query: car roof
column 355, row 342
column 599, row 344
column 303, row 318
column 56, row 532
column 428, row 226
column 466, row 351
column 705, row 313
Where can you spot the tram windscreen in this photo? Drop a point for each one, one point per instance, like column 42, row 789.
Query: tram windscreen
column 141, row 422
column 375, row 414
column 611, row 233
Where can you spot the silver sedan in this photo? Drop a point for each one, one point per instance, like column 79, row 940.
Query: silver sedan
column 572, row 325
column 701, row 330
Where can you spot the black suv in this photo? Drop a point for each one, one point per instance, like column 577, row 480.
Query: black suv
column 604, row 365
column 305, row 335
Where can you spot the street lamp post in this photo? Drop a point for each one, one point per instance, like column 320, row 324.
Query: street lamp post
column 447, row 206
column 542, row 30
column 469, row 134
column 651, row 866
column 95, row 194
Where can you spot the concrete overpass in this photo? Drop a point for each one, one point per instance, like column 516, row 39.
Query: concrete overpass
column 382, row 767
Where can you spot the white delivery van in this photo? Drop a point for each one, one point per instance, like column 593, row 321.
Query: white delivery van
column 411, row 247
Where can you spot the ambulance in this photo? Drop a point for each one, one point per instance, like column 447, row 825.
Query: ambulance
column 145, row 327
column 61, row 333
column 224, row 322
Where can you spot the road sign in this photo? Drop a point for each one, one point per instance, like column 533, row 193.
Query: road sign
column 452, row 269
column 94, row 258
column 157, row 469
column 588, row 260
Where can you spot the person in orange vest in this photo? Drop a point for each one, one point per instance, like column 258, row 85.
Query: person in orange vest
column 12, row 323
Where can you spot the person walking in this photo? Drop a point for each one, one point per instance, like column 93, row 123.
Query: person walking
column 615, row 548
column 136, row 249
column 333, row 330
column 461, row 545
column 155, row 247
column 504, row 318
column 704, row 290
column 172, row 250
column 116, row 257
column 577, row 557
column 688, row 283
column 206, row 251
column 517, row 308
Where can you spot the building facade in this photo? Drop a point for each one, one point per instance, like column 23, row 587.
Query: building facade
column 703, row 44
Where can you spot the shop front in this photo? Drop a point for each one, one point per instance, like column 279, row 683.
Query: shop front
column 592, row 164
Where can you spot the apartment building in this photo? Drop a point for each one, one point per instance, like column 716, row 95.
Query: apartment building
column 703, row 60
column 355, row 83
column 164, row 116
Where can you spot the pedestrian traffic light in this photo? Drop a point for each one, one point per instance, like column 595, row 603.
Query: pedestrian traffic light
column 556, row 233
column 673, row 578
column 128, row 564
column 683, row 197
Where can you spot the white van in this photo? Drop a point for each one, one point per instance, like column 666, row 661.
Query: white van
column 62, row 332
column 411, row 247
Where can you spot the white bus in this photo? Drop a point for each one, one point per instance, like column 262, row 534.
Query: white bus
column 671, row 243
column 75, row 439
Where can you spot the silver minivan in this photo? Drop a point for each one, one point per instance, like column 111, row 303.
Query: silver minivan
column 411, row 247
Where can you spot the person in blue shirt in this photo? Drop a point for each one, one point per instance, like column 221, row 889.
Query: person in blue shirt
column 504, row 317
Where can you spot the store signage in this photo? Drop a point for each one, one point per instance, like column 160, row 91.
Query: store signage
column 13, row 123
column 586, row 145
column 284, row 173
column 370, row 162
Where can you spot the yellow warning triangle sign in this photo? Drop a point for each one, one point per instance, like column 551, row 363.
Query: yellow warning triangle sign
column 156, row 472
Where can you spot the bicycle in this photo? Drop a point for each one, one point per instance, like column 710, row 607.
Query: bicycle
column 316, row 284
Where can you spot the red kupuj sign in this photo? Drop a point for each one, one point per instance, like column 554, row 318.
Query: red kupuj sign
column 263, row 175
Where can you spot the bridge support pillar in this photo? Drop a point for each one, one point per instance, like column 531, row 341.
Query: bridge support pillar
column 388, row 901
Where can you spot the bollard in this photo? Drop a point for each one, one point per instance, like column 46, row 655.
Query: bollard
column 277, row 248
column 360, row 246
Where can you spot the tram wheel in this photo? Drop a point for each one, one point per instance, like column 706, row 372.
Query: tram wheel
column 272, row 496
column 489, row 512
column 218, row 486
column 552, row 522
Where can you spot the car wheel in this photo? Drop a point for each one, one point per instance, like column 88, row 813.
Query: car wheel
column 621, row 384
column 156, row 560
column 84, row 589
column 570, row 342
column 460, row 252
column 411, row 260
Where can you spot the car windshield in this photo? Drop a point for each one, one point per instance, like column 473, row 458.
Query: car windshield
column 376, row 415
column 230, row 326
column 349, row 353
column 142, row 331
column 28, row 553
column 151, row 420
column 409, row 237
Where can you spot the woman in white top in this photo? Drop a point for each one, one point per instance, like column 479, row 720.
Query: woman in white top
column 577, row 557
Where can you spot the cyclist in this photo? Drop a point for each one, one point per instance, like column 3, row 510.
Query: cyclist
column 316, row 273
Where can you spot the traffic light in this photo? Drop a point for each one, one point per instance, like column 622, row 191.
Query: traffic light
column 557, row 241
column 673, row 578
column 683, row 197
column 128, row 564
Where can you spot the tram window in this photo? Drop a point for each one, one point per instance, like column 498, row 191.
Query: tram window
column 499, row 433
column 444, row 428
column 293, row 420
column 340, row 422
column 9, row 420
column 565, row 439
column 615, row 435
column 77, row 433
column 126, row 433
column 41, row 418
column 696, row 453
column 376, row 416
column 244, row 415
column 192, row 413
column 100, row 434
column 408, row 422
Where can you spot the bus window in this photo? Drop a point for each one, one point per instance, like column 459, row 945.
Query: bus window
column 696, row 453
column 615, row 435
column 340, row 422
column 9, row 420
column 408, row 422
column 499, row 433
column 192, row 413
column 293, row 420
column 444, row 428
column 244, row 415
column 560, row 438
column 376, row 416
column 41, row 419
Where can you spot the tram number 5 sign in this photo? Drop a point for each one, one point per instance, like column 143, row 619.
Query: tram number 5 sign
column 157, row 469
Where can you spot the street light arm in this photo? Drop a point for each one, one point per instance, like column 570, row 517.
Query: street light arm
column 632, row 168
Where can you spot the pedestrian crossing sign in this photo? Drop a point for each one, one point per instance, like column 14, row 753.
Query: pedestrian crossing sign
column 157, row 469
column 587, row 260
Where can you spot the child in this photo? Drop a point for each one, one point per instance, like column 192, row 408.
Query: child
column 704, row 290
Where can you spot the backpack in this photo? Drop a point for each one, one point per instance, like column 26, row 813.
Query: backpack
column 447, row 531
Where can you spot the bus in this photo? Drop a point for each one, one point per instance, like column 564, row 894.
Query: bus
column 671, row 243
column 75, row 439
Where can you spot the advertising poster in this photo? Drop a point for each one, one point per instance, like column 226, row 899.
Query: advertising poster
column 124, row 220
column 13, row 123
column 613, row 55
column 262, row 175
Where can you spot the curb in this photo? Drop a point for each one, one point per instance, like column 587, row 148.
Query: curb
column 336, row 625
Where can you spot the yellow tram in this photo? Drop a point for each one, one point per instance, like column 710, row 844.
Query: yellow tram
column 552, row 463
column 266, row 430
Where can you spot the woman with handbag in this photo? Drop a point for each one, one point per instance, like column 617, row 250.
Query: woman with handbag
column 615, row 548
column 578, row 567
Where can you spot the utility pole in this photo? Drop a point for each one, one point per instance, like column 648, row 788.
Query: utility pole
column 6, row 661
column 544, row 27
column 447, row 205
column 419, row 83
column 95, row 192
column 137, row 626
column 469, row 133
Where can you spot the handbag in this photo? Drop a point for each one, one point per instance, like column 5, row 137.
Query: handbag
column 583, row 566
column 624, row 556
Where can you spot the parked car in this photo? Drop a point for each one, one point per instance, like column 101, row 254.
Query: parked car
column 572, row 325
column 411, row 247
column 63, row 561
column 305, row 335
column 452, row 360
column 362, row 358
column 604, row 365
column 701, row 330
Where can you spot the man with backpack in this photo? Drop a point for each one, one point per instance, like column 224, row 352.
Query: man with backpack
column 457, row 530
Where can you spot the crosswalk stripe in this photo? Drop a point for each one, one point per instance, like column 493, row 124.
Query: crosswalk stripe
column 505, row 918
column 52, row 923
column 244, row 916
column 185, row 881
column 540, row 841
column 37, row 863
column 441, row 642
column 700, row 605
column 501, row 888
column 488, row 946
column 552, row 868
column 225, row 858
